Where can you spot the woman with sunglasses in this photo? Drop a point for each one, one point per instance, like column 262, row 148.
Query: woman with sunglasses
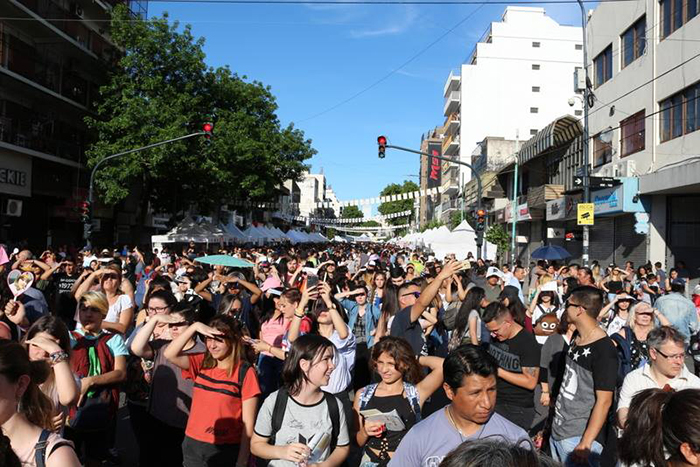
column 224, row 398
column 169, row 392
column 642, row 319
column 121, row 305
column 614, row 315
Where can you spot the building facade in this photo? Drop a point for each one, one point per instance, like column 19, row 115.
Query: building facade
column 518, row 78
column 646, row 80
column 53, row 58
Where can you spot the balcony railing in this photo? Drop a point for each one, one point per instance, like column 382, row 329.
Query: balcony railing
column 42, row 68
column 452, row 84
column 451, row 102
column 451, row 204
column 49, row 138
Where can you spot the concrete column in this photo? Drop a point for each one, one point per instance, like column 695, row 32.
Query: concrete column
column 657, row 231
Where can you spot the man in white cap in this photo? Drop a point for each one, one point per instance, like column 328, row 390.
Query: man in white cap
column 493, row 286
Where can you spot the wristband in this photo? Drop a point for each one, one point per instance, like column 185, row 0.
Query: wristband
column 58, row 357
column 299, row 315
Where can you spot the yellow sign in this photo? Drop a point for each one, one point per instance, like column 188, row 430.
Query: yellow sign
column 585, row 213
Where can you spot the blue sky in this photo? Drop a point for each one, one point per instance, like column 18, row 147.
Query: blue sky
column 316, row 56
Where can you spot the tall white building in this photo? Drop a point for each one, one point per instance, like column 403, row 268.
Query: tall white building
column 518, row 78
column 645, row 68
column 312, row 196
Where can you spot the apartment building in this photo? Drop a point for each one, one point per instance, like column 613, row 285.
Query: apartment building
column 53, row 58
column 517, row 79
column 645, row 69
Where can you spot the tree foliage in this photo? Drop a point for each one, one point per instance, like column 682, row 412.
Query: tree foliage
column 392, row 207
column 160, row 89
column 499, row 237
column 455, row 220
column 370, row 224
column 432, row 225
column 352, row 212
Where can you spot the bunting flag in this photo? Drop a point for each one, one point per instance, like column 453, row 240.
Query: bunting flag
column 371, row 229
column 329, row 221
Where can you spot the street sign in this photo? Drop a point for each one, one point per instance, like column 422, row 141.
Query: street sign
column 603, row 182
column 580, row 171
column 585, row 213
column 578, row 182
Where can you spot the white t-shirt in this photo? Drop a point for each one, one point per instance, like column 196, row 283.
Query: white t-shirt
column 344, row 361
column 641, row 379
column 115, row 310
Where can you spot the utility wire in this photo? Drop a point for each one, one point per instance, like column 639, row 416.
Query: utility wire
column 392, row 72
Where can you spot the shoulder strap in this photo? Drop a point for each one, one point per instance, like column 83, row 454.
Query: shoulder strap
column 242, row 371
column 366, row 394
column 278, row 412
column 413, row 399
column 628, row 334
column 334, row 412
column 40, row 449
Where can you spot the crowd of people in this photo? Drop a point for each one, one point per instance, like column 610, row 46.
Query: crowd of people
column 344, row 355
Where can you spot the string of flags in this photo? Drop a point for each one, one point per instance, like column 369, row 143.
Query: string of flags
column 365, row 229
column 355, row 202
column 333, row 221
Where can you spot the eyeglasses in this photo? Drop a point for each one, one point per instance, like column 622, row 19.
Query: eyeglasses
column 679, row 356
column 157, row 309
column 568, row 304
column 415, row 294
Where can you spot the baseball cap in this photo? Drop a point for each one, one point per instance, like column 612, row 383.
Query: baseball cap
column 493, row 271
column 270, row 283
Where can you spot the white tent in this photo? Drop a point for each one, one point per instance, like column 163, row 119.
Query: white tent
column 255, row 235
column 186, row 231
column 461, row 241
column 235, row 233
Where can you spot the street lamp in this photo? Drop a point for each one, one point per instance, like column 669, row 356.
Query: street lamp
column 382, row 143
column 207, row 130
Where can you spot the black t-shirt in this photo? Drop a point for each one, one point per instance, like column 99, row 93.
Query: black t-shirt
column 64, row 282
column 412, row 332
column 65, row 303
column 521, row 351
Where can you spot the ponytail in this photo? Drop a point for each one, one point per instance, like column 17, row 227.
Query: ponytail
column 659, row 423
column 35, row 405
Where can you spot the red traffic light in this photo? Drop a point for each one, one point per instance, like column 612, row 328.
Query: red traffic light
column 481, row 213
column 208, row 127
column 381, row 141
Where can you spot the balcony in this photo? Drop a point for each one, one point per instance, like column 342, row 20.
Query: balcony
column 450, row 145
column 537, row 197
column 451, row 205
column 452, row 83
column 452, row 126
column 451, row 103
column 450, row 180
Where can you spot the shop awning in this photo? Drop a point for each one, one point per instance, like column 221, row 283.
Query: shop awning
column 555, row 134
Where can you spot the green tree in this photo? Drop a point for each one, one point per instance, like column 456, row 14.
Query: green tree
column 499, row 237
column 392, row 207
column 352, row 212
column 432, row 225
column 160, row 89
column 370, row 224
column 455, row 220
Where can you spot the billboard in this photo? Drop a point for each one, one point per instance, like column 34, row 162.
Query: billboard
column 434, row 165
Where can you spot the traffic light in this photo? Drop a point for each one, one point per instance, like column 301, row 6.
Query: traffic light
column 208, row 129
column 86, row 212
column 480, row 220
column 381, row 141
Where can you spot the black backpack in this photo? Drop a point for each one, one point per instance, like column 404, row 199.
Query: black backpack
column 281, row 406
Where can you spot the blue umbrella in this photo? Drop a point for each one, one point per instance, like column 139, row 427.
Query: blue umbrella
column 225, row 260
column 550, row 252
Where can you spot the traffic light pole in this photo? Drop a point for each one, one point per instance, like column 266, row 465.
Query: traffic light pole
column 91, row 193
column 479, row 234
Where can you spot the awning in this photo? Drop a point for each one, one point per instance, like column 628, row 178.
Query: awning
column 557, row 133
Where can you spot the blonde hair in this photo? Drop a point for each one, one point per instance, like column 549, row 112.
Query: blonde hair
column 545, row 278
column 96, row 300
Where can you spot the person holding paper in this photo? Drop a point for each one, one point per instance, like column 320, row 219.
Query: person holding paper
column 384, row 412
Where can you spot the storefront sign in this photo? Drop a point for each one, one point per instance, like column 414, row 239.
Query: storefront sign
column 621, row 198
column 15, row 174
column 523, row 213
column 556, row 209
column 585, row 214
column 500, row 216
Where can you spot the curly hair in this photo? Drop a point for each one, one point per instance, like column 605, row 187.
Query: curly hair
column 404, row 359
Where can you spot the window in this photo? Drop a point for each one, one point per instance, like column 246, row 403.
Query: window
column 533, row 132
column 603, row 66
column 634, row 41
column 535, row 66
column 680, row 113
column 675, row 13
column 534, row 110
column 535, row 89
column 602, row 151
column 578, row 113
column 632, row 134
column 578, row 47
column 536, row 45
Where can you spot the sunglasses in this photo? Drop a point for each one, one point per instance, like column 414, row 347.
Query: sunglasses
column 415, row 294
column 177, row 325
column 110, row 276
